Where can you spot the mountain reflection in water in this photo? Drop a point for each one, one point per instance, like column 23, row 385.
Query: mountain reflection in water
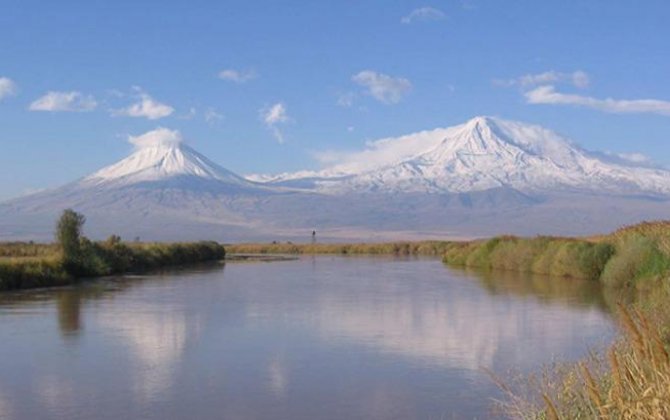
column 320, row 337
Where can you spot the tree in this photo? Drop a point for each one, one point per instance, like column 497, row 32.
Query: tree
column 68, row 235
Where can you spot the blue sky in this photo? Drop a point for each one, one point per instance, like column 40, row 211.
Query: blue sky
column 265, row 86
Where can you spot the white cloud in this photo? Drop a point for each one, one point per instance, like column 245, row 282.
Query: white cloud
column 547, row 94
column 636, row 158
column 580, row 79
column 7, row 88
column 237, row 76
column 64, row 102
column 384, row 88
column 158, row 137
column 146, row 107
column 380, row 153
column 274, row 116
column 577, row 78
column 423, row 14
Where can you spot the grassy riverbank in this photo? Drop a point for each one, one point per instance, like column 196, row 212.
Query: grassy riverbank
column 632, row 378
column 44, row 266
column 73, row 256
column 435, row 248
column 630, row 257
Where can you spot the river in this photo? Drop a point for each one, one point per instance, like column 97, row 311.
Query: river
column 318, row 337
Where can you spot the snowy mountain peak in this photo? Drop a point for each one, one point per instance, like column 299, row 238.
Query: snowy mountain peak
column 161, row 161
column 483, row 153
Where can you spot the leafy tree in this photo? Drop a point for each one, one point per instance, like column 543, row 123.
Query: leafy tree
column 68, row 235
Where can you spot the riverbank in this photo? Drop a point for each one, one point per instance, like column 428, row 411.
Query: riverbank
column 632, row 378
column 433, row 248
column 27, row 265
column 635, row 256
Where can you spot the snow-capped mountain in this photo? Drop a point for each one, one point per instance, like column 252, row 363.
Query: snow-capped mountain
column 161, row 156
column 164, row 189
column 487, row 176
column 482, row 154
column 162, row 162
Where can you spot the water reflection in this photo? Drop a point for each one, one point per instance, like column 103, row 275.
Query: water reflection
column 155, row 340
column 69, row 312
column 321, row 337
column 453, row 324
column 577, row 292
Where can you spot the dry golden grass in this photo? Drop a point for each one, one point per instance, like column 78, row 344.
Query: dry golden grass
column 631, row 381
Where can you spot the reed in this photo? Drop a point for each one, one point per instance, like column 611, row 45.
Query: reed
column 630, row 381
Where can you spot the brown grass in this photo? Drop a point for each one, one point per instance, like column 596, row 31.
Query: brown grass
column 631, row 381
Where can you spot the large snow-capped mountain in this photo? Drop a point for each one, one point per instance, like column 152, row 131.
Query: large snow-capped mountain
column 487, row 176
column 482, row 154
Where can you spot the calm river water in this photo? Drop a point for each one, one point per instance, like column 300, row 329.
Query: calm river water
column 319, row 337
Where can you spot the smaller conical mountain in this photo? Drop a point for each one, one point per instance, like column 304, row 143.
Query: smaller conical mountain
column 165, row 162
column 482, row 154
column 163, row 190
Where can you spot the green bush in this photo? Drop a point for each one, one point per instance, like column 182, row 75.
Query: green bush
column 562, row 257
column 636, row 257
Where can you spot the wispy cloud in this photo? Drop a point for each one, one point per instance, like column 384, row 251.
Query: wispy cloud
column 7, row 88
column 274, row 116
column 384, row 88
column 346, row 99
column 156, row 138
column 379, row 153
column 212, row 116
column 145, row 107
column 547, row 94
column 189, row 115
column 237, row 76
column 577, row 78
column 423, row 14
column 64, row 102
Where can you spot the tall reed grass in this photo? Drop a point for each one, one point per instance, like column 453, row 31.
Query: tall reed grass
column 630, row 381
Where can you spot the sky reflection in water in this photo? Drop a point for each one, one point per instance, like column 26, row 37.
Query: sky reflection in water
column 321, row 337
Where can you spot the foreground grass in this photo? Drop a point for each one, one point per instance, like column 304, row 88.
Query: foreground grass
column 630, row 381
column 24, row 266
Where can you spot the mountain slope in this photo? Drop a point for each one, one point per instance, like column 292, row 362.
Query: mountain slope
column 484, row 177
column 482, row 154
column 163, row 190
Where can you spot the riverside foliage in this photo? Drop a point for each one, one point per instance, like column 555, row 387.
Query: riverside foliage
column 631, row 380
column 632, row 256
column 28, row 265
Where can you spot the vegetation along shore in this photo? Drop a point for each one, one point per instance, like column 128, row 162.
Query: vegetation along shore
column 28, row 265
